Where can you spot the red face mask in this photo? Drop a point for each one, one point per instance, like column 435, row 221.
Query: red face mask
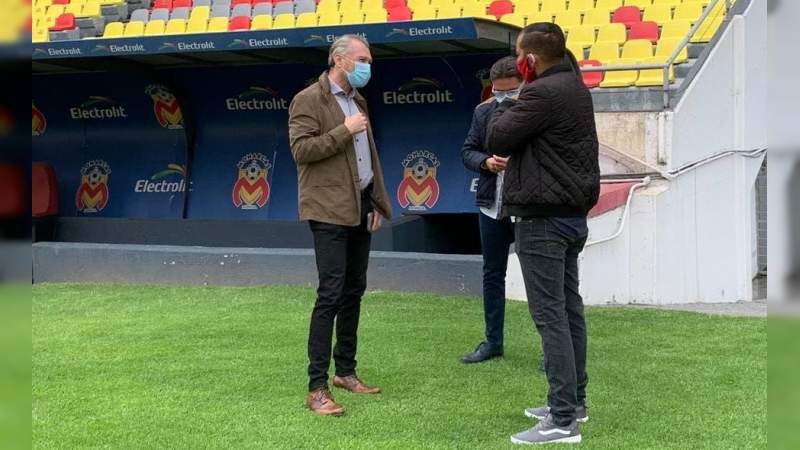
column 528, row 74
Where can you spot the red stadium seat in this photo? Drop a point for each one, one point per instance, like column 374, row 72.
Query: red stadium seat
column 644, row 30
column 627, row 15
column 591, row 79
column 61, row 2
column 14, row 189
column 44, row 190
column 400, row 14
column 391, row 4
column 240, row 2
column 64, row 22
column 182, row 3
column 240, row 23
column 275, row 2
column 500, row 8
column 162, row 4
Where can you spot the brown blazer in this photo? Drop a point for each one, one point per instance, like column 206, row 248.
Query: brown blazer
column 322, row 147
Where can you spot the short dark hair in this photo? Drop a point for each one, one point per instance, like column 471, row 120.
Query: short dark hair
column 505, row 67
column 544, row 39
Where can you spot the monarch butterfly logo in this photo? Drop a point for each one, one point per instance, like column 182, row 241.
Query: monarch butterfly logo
column 92, row 195
column 419, row 190
column 38, row 121
column 251, row 190
column 165, row 107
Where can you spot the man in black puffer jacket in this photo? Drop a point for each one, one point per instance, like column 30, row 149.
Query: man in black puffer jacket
column 552, row 180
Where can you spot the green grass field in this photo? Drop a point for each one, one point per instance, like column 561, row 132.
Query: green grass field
column 120, row 367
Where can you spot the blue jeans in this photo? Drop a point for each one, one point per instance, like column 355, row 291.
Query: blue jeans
column 496, row 238
column 548, row 254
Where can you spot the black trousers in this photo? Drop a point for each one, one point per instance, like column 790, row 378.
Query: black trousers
column 496, row 238
column 549, row 261
column 342, row 255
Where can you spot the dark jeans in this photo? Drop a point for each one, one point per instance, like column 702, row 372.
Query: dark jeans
column 548, row 255
column 496, row 237
column 342, row 255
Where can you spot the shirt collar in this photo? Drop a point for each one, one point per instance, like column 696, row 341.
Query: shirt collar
column 336, row 89
column 555, row 69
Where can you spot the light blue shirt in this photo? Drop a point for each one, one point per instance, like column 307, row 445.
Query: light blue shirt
column 360, row 140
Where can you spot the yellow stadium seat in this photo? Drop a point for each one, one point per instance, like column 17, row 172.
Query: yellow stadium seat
column 608, row 4
column 514, row 19
column 688, row 11
column 675, row 29
column 540, row 17
column 154, row 28
column 328, row 19
column 285, row 21
column 307, row 19
column 91, row 10
column 40, row 36
column 576, row 50
column 413, row 4
column 568, row 19
column 44, row 3
column 175, row 26
column 448, row 11
column 660, row 14
column 201, row 25
column 424, row 13
column 369, row 5
column 327, row 6
column 377, row 15
column 200, row 13
column 527, row 7
column 349, row 5
column 351, row 17
column 641, row 4
column 438, row 3
column 134, row 29
column 218, row 24
column 582, row 36
column 654, row 77
column 704, row 2
column 672, row 3
column 666, row 46
column 553, row 6
column 604, row 51
column 638, row 49
column 613, row 32
column 707, row 29
column 473, row 10
column 619, row 78
column 580, row 5
column 114, row 30
column 73, row 8
column 264, row 22
column 597, row 17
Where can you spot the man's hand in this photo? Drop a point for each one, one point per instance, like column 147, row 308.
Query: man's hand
column 356, row 123
column 495, row 164
column 377, row 221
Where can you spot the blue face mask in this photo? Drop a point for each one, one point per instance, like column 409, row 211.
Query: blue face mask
column 359, row 77
column 501, row 96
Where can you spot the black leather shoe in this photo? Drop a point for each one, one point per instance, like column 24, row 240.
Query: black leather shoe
column 484, row 352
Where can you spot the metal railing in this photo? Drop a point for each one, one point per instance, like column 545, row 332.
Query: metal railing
column 666, row 66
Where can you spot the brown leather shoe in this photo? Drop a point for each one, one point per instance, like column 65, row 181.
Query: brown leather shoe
column 354, row 385
column 320, row 401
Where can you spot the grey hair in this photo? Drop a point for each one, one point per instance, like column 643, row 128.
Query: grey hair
column 342, row 45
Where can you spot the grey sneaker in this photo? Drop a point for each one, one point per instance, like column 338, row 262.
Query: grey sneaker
column 541, row 412
column 546, row 432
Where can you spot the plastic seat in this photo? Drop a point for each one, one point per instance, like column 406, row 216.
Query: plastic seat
column 414, row 4
column 639, row 49
column 660, row 14
column 220, row 11
column 282, row 21
column 568, row 19
column 609, row 5
column 134, row 29
column 613, row 33
column 114, row 30
column 620, row 78
column 327, row 6
column 527, row 7
column 641, row 4
column 306, row 19
column 349, row 5
column 473, row 9
column 217, row 25
column 448, row 11
column 540, row 17
column 239, row 23
column 399, row 15
column 352, row 17
column 154, row 28
column 197, row 25
column 516, row 19
column 159, row 14
column 264, row 22
column 627, row 15
column 74, row 8
column 675, row 29
column 577, row 51
column 580, row 5
column 242, row 10
column 666, row 46
column 644, row 30
column 282, row 8
column 591, row 79
column 375, row 16
column 387, row 4
column 707, row 30
column 234, row 3
column 671, row 3
column 262, row 9
column 597, row 17
column 654, row 77
column 183, row 13
column 162, row 4
column 425, row 13
column 604, row 51
column 500, row 8
column 140, row 15
column 187, row 3
column 328, row 18
column 582, row 36
column 304, row 6
column 201, row 13
column 553, row 6
column 44, row 189
column 175, row 26
column 688, row 11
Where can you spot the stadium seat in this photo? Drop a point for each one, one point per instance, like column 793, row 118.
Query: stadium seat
column 44, row 190
column 597, row 17
column 518, row 20
column 233, row 2
column 666, row 46
column 654, row 77
column 609, row 5
column 285, row 20
column 688, row 11
column 591, row 79
column 676, row 29
column 388, row 4
column 424, row 13
column 660, row 14
column 349, row 5
column 540, row 17
column 74, row 9
column 242, row 10
column 580, row 5
column 175, row 26
column 500, row 8
column 263, row 22
column 239, row 23
column 582, row 36
column 265, row 8
column 304, row 6
column 604, row 52
column 184, row 13
column 91, row 10
column 202, row 13
column 473, row 9
column 528, row 7
column 220, row 11
column 352, row 17
column 14, row 187
column 707, row 29
column 328, row 18
column 641, row 4
column 627, row 15
column 644, row 30
column 114, row 30
column 165, row 4
column 639, row 49
column 202, row 3
column 154, row 28
column 568, row 19
column 159, row 14
column 66, row 22
column 188, row 3
column 671, row 3
column 413, row 4
column 134, row 29
column 614, row 33
column 327, row 6
column 448, row 11
column 306, row 19
column 399, row 14
column 282, row 8
column 375, row 16
column 197, row 25
column 577, row 50
column 140, row 15
column 619, row 78
column 217, row 25
column 553, row 6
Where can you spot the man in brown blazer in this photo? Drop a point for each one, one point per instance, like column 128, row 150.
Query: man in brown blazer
column 342, row 195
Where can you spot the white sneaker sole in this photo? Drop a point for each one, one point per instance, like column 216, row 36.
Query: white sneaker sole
column 566, row 440
column 527, row 414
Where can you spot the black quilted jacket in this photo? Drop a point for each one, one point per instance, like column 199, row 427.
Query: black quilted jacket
column 551, row 136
